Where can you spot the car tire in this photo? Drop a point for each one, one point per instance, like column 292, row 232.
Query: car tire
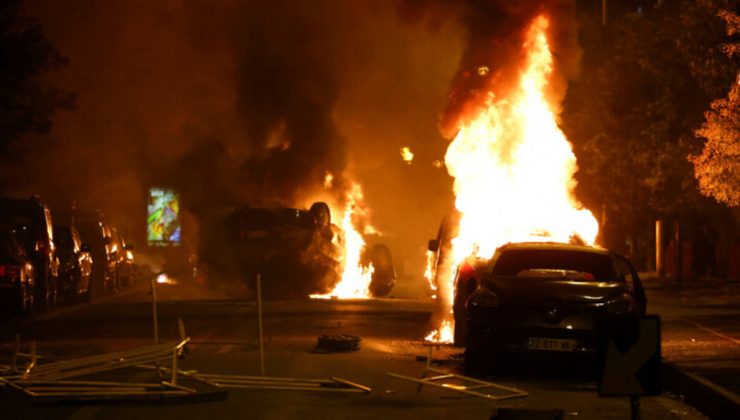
column 479, row 354
column 383, row 277
column 321, row 213
column 461, row 331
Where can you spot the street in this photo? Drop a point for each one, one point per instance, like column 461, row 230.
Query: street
column 224, row 340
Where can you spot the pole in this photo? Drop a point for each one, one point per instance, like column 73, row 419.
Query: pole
column 153, row 289
column 259, row 320
column 603, row 12
column 659, row 261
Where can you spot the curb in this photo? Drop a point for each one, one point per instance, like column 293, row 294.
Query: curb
column 699, row 392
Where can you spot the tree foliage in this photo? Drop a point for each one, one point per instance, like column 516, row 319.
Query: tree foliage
column 717, row 168
column 26, row 104
column 646, row 79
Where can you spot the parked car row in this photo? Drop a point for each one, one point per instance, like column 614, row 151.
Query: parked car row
column 75, row 257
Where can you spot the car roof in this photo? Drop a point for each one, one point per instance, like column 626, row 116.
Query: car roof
column 554, row 246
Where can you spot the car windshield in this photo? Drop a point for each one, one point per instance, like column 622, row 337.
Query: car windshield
column 548, row 263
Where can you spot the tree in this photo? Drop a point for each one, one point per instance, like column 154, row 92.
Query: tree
column 717, row 168
column 26, row 104
column 646, row 80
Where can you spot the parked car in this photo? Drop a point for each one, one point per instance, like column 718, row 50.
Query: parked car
column 75, row 264
column 125, row 267
column 548, row 298
column 29, row 220
column 95, row 231
column 16, row 276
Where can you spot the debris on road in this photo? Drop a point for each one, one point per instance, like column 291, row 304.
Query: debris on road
column 338, row 342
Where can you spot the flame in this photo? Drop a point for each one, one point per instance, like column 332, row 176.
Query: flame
column 355, row 279
column 163, row 278
column 429, row 271
column 443, row 334
column 513, row 169
column 407, row 155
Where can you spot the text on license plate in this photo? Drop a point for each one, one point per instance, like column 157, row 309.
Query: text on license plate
column 551, row 344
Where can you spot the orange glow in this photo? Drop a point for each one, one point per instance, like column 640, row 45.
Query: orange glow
column 513, row 169
column 355, row 278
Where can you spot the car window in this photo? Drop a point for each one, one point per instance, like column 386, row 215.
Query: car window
column 577, row 265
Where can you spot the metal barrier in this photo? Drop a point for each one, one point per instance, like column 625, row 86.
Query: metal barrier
column 333, row 384
column 49, row 380
column 457, row 383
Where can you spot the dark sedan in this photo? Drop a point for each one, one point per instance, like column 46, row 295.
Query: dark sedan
column 546, row 299
column 16, row 277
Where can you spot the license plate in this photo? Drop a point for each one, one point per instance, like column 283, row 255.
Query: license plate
column 551, row 344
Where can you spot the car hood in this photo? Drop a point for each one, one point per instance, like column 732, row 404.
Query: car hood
column 539, row 290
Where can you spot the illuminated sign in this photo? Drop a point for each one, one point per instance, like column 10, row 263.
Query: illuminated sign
column 163, row 218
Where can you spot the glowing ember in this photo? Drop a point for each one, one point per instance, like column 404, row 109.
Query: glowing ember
column 328, row 180
column 356, row 278
column 407, row 155
column 513, row 169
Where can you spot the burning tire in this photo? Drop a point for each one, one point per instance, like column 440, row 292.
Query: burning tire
column 321, row 214
column 384, row 276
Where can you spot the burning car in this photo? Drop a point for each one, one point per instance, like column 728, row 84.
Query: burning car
column 297, row 252
column 546, row 298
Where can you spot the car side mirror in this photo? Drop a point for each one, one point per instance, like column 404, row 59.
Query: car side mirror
column 85, row 248
column 433, row 245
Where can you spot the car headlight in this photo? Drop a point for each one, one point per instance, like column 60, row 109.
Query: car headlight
column 483, row 298
column 622, row 305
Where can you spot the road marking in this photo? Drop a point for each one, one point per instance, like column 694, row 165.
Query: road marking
column 225, row 349
column 711, row 331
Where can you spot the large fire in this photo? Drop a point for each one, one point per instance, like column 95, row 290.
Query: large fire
column 513, row 170
column 355, row 277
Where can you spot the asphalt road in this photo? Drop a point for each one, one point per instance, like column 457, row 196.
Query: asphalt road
column 223, row 328
column 701, row 329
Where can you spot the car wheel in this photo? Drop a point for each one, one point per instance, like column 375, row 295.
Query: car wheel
column 321, row 214
column 383, row 277
column 479, row 354
column 461, row 331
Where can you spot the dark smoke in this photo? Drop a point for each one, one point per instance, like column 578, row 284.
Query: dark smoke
column 493, row 53
column 248, row 102
column 252, row 102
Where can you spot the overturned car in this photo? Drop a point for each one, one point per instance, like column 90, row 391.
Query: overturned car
column 296, row 251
